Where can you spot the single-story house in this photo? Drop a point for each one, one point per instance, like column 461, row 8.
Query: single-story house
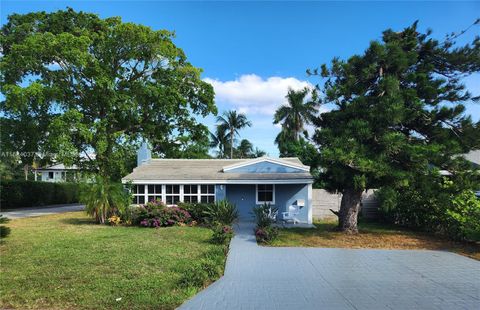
column 284, row 183
column 56, row 173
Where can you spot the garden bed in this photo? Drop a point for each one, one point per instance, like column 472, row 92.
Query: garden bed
column 371, row 236
column 66, row 261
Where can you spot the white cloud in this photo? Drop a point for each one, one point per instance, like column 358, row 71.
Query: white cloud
column 252, row 94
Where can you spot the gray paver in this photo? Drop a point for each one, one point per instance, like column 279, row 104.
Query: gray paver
column 321, row 278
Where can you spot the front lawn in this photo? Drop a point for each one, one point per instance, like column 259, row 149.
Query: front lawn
column 371, row 236
column 65, row 261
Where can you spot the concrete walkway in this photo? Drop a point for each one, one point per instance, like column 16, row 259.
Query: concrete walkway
column 46, row 210
column 320, row 278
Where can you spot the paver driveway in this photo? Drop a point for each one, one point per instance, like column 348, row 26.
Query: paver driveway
column 318, row 278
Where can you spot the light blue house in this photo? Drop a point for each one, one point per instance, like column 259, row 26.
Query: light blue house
column 284, row 183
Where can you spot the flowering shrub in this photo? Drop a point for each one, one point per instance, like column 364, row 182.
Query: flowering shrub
column 222, row 234
column 114, row 220
column 266, row 234
column 156, row 214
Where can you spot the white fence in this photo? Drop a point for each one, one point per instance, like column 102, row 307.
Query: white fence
column 323, row 201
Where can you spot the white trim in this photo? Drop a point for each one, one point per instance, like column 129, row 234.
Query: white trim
column 265, row 159
column 309, row 205
column 220, row 182
column 262, row 202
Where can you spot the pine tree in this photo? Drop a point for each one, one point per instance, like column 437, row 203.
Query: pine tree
column 399, row 110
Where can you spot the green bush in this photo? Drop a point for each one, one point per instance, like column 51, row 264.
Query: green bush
column 221, row 212
column 222, row 234
column 4, row 231
column 104, row 198
column 196, row 210
column 432, row 203
column 156, row 214
column 264, row 215
column 23, row 194
column 266, row 234
column 264, row 218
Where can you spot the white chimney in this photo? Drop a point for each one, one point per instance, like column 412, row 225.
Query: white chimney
column 143, row 154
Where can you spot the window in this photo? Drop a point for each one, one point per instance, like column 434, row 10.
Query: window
column 50, row 175
column 138, row 192
column 172, row 194
column 190, row 193
column 265, row 193
column 207, row 193
column 154, row 192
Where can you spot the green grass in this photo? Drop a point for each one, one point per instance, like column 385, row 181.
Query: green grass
column 371, row 236
column 65, row 261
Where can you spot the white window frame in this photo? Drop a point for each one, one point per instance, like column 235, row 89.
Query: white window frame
column 148, row 194
column 145, row 195
column 197, row 194
column 262, row 202
column 180, row 194
column 200, row 195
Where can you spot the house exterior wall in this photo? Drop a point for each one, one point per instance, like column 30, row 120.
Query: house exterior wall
column 244, row 197
column 58, row 176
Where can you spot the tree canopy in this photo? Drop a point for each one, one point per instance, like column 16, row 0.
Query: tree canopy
column 82, row 84
column 398, row 112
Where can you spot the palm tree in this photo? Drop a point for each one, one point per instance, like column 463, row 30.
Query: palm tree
column 296, row 113
column 219, row 139
column 258, row 153
column 245, row 149
column 232, row 123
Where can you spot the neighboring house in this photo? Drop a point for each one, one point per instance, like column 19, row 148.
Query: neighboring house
column 56, row 173
column 247, row 183
column 473, row 157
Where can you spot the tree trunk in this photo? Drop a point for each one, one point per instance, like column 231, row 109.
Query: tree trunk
column 231, row 142
column 348, row 213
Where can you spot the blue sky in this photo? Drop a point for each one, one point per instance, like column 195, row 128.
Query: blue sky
column 253, row 51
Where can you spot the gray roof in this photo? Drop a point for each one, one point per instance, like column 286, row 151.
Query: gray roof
column 58, row 167
column 209, row 169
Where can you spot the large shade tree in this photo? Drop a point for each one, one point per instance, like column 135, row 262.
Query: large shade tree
column 231, row 122
column 399, row 111
column 99, row 85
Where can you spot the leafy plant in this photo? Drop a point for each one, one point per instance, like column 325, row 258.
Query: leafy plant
column 196, row 210
column 446, row 206
column 114, row 220
column 222, row 234
column 265, row 215
column 221, row 212
column 4, row 231
column 266, row 234
column 156, row 214
column 104, row 198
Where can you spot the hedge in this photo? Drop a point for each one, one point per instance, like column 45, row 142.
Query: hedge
column 23, row 194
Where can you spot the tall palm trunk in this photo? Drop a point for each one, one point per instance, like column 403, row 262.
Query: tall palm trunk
column 231, row 142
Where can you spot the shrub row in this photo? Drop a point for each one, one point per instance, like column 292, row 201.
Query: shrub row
column 445, row 206
column 22, row 194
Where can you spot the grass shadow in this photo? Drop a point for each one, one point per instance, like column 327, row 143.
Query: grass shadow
column 79, row 221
